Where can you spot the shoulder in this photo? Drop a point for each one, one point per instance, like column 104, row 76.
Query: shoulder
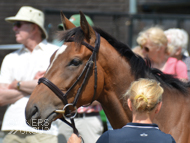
column 108, row 136
column 178, row 63
column 13, row 54
column 138, row 50
column 52, row 45
column 46, row 45
column 181, row 64
column 171, row 60
column 165, row 137
column 117, row 135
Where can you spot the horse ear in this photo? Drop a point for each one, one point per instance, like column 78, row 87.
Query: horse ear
column 66, row 23
column 87, row 29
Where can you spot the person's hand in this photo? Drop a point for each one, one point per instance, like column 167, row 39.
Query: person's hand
column 13, row 85
column 39, row 74
column 74, row 139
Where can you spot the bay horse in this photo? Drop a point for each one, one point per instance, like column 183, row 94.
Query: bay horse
column 115, row 66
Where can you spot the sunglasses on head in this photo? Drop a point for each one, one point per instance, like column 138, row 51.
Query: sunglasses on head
column 145, row 48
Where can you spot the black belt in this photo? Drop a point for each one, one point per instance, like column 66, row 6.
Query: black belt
column 81, row 115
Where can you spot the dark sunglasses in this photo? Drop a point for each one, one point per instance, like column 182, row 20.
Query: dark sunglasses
column 18, row 24
column 145, row 48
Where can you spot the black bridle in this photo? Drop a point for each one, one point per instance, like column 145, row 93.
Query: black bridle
column 87, row 69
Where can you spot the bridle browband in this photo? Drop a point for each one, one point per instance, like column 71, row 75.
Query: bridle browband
column 87, row 69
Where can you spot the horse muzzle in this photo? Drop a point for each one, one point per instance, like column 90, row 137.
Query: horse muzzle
column 34, row 119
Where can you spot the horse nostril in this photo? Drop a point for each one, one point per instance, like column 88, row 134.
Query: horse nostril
column 34, row 111
column 32, row 114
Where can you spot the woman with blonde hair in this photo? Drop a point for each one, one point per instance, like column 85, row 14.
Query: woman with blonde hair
column 153, row 43
column 144, row 99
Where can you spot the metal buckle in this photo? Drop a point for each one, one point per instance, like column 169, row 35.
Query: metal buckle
column 63, row 111
column 60, row 111
column 70, row 117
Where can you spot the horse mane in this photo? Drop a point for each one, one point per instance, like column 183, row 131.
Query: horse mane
column 144, row 69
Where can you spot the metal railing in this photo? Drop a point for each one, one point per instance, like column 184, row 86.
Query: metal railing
column 10, row 46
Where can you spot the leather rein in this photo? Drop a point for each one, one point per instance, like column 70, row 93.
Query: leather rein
column 63, row 97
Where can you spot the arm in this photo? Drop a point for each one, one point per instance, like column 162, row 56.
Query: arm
column 8, row 92
column 27, row 86
column 9, row 96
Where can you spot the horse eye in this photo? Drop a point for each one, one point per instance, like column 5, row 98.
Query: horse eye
column 75, row 62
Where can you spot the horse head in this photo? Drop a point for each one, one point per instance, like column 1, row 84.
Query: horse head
column 71, row 75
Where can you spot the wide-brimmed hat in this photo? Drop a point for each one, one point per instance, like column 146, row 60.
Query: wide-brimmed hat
column 29, row 14
column 75, row 19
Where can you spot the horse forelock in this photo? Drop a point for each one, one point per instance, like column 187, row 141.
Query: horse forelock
column 139, row 67
column 77, row 33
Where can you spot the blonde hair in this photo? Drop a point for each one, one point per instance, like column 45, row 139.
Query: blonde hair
column 144, row 94
column 155, row 35
column 177, row 38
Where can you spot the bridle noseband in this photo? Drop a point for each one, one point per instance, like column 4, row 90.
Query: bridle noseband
column 87, row 69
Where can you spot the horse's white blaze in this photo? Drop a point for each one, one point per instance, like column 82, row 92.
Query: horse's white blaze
column 60, row 51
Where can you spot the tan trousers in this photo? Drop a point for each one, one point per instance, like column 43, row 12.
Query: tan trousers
column 29, row 138
column 90, row 128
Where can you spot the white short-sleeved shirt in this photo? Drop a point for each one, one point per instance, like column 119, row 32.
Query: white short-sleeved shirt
column 22, row 65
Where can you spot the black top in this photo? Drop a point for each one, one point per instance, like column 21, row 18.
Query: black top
column 136, row 133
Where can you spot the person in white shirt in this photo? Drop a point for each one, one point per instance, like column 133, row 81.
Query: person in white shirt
column 20, row 71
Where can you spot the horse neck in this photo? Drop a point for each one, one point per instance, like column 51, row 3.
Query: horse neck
column 174, row 116
column 117, row 79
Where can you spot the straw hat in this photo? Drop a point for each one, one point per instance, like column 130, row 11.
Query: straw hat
column 29, row 14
